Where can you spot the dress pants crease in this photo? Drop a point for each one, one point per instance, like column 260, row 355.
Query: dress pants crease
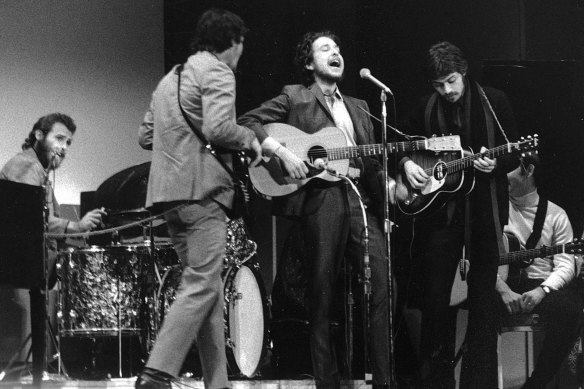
column 198, row 232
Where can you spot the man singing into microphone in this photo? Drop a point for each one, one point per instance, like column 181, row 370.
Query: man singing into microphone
column 328, row 212
column 43, row 151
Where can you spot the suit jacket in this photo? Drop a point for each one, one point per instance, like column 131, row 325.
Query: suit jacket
column 306, row 109
column 478, row 138
column 182, row 169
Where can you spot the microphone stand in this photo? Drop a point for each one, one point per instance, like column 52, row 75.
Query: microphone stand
column 366, row 280
column 386, row 233
column 39, row 299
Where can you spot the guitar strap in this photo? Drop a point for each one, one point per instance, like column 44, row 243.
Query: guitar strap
column 428, row 115
column 537, row 223
column 490, row 122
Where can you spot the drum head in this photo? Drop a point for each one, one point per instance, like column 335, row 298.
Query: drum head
column 246, row 321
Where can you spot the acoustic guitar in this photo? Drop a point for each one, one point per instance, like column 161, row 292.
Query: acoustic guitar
column 516, row 254
column 270, row 179
column 450, row 173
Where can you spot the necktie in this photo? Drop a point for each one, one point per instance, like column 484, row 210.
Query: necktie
column 341, row 117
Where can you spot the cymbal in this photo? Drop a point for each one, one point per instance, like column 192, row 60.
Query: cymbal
column 129, row 212
column 125, row 190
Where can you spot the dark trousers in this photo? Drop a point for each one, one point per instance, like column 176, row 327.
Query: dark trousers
column 440, row 241
column 440, row 247
column 335, row 231
column 562, row 312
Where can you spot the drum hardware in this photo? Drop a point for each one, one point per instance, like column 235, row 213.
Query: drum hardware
column 120, row 293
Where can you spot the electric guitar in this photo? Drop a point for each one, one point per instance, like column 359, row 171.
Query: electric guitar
column 450, row 174
column 516, row 254
column 270, row 179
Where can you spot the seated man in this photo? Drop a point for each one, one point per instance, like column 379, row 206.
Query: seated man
column 544, row 287
column 43, row 151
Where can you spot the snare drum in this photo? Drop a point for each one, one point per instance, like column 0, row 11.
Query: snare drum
column 100, row 291
column 164, row 254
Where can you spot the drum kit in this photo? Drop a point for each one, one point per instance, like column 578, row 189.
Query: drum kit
column 113, row 299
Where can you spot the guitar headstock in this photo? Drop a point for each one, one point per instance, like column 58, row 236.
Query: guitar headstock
column 527, row 146
column 444, row 143
column 575, row 247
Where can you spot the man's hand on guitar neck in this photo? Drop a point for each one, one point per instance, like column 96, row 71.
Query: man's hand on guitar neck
column 485, row 164
column 295, row 167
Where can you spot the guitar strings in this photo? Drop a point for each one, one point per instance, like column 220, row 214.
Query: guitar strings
column 461, row 163
column 354, row 151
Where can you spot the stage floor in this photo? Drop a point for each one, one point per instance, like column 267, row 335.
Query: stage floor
column 186, row 383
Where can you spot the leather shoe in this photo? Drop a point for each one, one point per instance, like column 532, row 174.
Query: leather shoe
column 153, row 379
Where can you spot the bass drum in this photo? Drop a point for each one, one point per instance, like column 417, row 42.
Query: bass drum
column 245, row 318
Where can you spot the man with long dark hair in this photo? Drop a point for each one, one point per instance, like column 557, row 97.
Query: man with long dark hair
column 184, row 172
column 328, row 212
column 482, row 118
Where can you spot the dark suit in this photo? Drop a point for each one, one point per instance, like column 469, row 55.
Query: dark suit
column 331, row 220
column 439, row 240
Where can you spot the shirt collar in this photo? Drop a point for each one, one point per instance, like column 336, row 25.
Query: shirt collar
column 530, row 199
column 335, row 96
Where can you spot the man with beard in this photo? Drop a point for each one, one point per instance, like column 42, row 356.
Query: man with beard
column 482, row 118
column 43, row 151
column 328, row 212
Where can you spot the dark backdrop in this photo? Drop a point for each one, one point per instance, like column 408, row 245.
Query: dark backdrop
column 531, row 49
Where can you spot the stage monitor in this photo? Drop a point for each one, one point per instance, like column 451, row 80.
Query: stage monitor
column 21, row 234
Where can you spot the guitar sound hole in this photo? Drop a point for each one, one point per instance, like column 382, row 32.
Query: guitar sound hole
column 316, row 152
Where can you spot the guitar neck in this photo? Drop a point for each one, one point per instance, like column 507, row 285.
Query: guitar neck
column 526, row 255
column 374, row 149
column 465, row 162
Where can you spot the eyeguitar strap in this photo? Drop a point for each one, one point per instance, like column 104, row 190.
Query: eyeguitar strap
column 537, row 223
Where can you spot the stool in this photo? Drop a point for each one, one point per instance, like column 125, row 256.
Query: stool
column 528, row 324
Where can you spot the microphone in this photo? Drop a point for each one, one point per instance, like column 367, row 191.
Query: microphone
column 366, row 74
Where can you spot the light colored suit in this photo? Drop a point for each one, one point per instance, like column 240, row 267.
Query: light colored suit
column 183, row 170
column 181, row 167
